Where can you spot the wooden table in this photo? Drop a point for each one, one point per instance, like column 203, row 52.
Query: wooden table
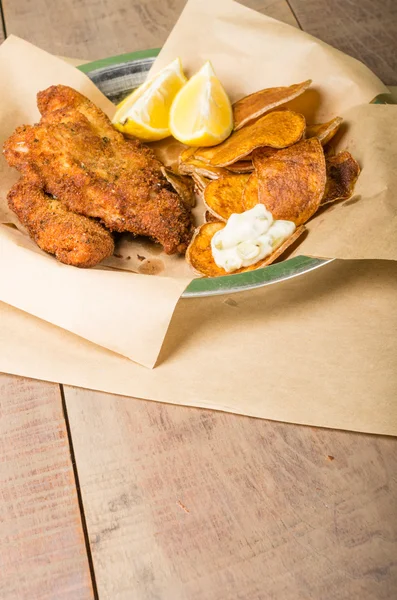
column 118, row 499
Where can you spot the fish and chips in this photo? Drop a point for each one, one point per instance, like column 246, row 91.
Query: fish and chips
column 82, row 180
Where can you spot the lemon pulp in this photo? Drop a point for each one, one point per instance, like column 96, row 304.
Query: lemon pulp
column 201, row 113
column 145, row 112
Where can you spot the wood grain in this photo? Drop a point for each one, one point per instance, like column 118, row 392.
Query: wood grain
column 1, row 27
column 365, row 29
column 93, row 29
column 42, row 547
column 188, row 504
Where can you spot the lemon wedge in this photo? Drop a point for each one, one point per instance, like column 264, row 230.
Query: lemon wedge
column 145, row 112
column 201, row 113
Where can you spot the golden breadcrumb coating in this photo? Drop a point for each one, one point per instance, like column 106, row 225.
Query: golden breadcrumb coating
column 75, row 154
column 74, row 239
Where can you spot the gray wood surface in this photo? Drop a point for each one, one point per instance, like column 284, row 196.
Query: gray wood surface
column 42, row 547
column 188, row 504
column 183, row 503
column 365, row 29
column 98, row 28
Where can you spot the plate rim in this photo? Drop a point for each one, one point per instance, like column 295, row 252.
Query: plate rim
column 227, row 284
column 119, row 59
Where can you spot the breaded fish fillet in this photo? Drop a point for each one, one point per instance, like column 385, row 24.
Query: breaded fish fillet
column 74, row 239
column 75, row 154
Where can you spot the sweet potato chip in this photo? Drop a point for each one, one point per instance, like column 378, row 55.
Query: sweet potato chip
column 324, row 131
column 213, row 173
column 278, row 129
column 199, row 253
column 224, row 196
column 199, row 193
column 194, row 165
column 200, row 182
column 262, row 153
column 255, row 105
column 186, row 154
column 183, row 186
column 342, row 173
column 206, row 154
column 250, row 193
column 292, row 182
column 210, row 218
column 241, row 166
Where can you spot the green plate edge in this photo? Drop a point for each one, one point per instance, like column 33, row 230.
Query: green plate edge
column 114, row 60
column 230, row 284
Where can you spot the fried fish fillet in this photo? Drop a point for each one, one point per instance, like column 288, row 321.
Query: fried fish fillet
column 74, row 239
column 75, row 154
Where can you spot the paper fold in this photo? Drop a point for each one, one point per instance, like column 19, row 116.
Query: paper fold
column 316, row 350
column 108, row 308
column 251, row 51
column 319, row 349
column 125, row 312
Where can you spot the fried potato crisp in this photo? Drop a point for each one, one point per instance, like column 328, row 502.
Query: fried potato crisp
column 278, row 129
column 241, row 166
column 206, row 154
column 187, row 154
column 250, row 193
column 200, row 193
column 264, row 152
column 200, row 182
column 342, row 174
column 199, row 253
column 210, row 218
column 324, row 131
column 292, row 182
column 183, row 186
column 224, row 196
column 255, row 105
column 194, row 165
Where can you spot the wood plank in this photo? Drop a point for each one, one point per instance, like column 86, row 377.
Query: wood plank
column 1, row 26
column 366, row 30
column 185, row 503
column 92, row 29
column 42, row 547
column 47, row 556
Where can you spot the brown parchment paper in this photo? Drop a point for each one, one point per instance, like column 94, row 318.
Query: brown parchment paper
column 126, row 312
column 317, row 350
column 250, row 51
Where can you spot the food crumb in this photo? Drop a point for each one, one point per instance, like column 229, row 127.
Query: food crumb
column 118, row 255
column 128, row 257
column 139, row 257
column 154, row 266
column 329, row 457
column 183, row 507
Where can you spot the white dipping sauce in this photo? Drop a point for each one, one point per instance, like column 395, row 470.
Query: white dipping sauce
column 248, row 238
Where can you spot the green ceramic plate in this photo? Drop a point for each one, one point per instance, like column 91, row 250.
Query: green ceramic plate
column 118, row 76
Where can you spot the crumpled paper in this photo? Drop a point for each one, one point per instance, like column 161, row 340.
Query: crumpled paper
column 129, row 313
